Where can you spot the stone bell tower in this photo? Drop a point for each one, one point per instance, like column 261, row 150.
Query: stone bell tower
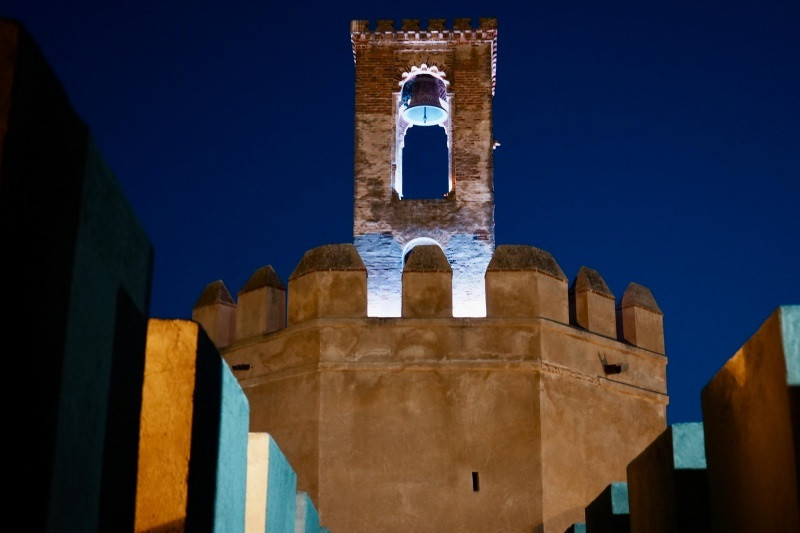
column 437, row 77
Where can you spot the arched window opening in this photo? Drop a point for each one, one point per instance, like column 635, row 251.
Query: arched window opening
column 426, row 172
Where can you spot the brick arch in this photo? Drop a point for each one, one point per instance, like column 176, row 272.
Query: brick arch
column 416, row 242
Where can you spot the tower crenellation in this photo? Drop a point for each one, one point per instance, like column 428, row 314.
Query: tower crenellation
column 640, row 320
column 591, row 303
column 329, row 281
column 433, row 26
column 521, row 281
column 427, row 283
column 261, row 304
column 215, row 310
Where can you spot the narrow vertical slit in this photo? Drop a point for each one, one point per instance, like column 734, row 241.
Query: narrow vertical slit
column 476, row 486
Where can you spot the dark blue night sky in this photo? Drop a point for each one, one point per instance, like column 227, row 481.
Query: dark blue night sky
column 656, row 142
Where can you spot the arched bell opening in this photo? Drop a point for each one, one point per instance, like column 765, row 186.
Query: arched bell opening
column 422, row 166
column 426, row 163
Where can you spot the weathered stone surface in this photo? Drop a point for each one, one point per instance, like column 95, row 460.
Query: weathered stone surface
column 165, row 433
column 608, row 513
column 639, row 319
column 328, row 294
column 329, row 281
column 592, row 303
column 427, row 283
column 333, row 257
column 639, row 296
column 262, row 304
column 468, row 258
column 271, row 487
column 193, row 434
column 426, row 258
column 215, row 310
column 523, row 281
column 263, row 277
column 383, row 256
column 570, row 410
column 370, row 396
column 668, row 483
column 427, row 294
column 589, row 279
column 380, row 211
column 515, row 257
column 214, row 293
column 752, row 430
column 79, row 267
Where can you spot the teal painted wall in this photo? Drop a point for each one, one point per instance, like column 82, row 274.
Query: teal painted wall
column 229, row 504
column 281, row 491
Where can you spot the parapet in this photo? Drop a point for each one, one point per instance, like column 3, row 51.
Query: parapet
column 436, row 31
column 262, row 304
column 521, row 281
column 436, row 28
column 329, row 281
column 427, row 283
column 524, row 281
column 640, row 320
column 215, row 310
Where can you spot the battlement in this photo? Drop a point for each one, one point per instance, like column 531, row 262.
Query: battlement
column 546, row 366
column 436, row 29
column 521, row 282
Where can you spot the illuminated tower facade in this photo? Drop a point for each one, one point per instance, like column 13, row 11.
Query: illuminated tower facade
column 432, row 419
column 440, row 77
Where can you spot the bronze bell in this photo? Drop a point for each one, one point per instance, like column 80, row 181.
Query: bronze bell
column 423, row 100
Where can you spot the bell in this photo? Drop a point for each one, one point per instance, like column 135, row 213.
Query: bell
column 424, row 100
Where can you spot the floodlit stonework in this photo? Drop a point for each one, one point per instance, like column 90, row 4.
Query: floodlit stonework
column 425, row 420
column 385, row 224
column 521, row 420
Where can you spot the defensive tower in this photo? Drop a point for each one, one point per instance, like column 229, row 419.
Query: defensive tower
column 429, row 420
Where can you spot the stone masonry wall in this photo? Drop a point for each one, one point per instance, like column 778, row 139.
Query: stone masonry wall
column 383, row 222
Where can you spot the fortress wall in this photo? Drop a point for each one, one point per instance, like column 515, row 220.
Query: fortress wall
column 410, row 440
column 394, row 392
